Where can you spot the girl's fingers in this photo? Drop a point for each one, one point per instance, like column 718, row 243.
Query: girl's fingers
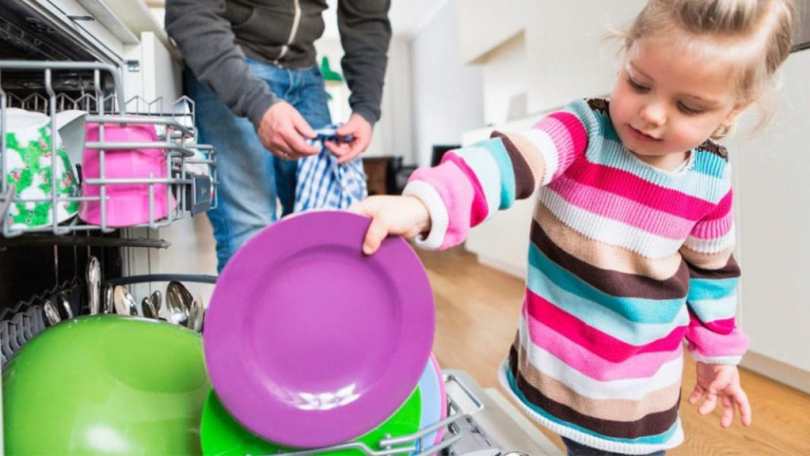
column 728, row 412
column 377, row 231
column 709, row 404
column 697, row 393
column 741, row 400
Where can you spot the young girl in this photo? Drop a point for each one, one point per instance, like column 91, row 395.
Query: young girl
column 632, row 235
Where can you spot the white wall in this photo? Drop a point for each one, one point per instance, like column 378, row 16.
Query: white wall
column 447, row 96
column 571, row 56
column 772, row 201
column 506, row 81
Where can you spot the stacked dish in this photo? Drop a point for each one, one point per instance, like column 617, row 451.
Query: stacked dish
column 309, row 343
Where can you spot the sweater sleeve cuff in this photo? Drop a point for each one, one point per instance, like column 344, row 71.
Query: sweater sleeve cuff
column 366, row 113
column 259, row 107
column 439, row 219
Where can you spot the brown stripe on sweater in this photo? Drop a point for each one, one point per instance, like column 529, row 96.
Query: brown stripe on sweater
column 603, row 255
column 714, row 148
column 606, row 409
column 524, row 179
column 599, row 104
column 730, row 270
column 652, row 424
column 612, row 282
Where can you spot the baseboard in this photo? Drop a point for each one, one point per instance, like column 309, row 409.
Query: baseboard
column 777, row 370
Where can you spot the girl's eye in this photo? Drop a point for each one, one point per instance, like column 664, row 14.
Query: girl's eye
column 636, row 86
column 686, row 109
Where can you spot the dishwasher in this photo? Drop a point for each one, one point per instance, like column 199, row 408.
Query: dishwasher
column 55, row 75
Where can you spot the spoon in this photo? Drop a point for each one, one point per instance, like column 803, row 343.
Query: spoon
column 179, row 300
column 109, row 301
column 197, row 313
column 124, row 302
column 148, row 308
column 157, row 300
column 64, row 306
column 93, row 282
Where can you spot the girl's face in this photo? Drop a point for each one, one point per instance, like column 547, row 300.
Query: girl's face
column 669, row 99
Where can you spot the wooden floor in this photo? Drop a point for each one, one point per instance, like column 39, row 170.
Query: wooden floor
column 477, row 311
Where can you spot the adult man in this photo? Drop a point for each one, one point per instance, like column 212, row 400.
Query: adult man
column 251, row 70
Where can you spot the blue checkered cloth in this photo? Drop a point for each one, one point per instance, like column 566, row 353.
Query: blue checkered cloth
column 323, row 183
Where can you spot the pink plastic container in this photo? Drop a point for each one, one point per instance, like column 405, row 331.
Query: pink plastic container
column 127, row 204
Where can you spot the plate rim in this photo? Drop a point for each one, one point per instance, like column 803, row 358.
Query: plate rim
column 340, row 424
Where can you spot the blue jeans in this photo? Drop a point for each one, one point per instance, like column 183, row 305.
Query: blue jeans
column 578, row 449
column 250, row 177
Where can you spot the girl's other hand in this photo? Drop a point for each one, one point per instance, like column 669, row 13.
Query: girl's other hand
column 405, row 215
column 721, row 382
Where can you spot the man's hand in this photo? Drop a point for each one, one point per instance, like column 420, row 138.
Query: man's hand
column 283, row 132
column 360, row 129
column 721, row 382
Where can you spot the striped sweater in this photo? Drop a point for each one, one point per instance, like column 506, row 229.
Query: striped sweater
column 626, row 262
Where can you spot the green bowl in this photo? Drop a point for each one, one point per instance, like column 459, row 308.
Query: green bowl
column 106, row 385
column 221, row 435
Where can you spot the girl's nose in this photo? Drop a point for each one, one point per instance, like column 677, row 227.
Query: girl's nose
column 653, row 113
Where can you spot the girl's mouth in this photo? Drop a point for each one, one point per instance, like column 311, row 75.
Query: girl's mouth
column 643, row 136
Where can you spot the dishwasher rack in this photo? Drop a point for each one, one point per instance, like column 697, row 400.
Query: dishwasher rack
column 97, row 88
column 459, row 423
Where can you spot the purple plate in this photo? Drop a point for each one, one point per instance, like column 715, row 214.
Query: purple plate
column 310, row 343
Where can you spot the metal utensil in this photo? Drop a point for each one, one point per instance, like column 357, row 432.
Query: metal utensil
column 179, row 301
column 93, row 285
column 124, row 302
column 148, row 308
column 157, row 301
column 108, row 301
column 65, row 311
column 51, row 313
column 197, row 312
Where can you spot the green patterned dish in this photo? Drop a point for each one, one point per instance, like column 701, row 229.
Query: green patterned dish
column 30, row 165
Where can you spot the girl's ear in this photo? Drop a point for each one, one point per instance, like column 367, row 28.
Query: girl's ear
column 728, row 122
column 738, row 109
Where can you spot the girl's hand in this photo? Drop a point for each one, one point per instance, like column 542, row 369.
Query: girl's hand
column 720, row 381
column 405, row 215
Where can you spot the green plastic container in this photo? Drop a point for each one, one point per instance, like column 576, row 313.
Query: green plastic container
column 108, row 385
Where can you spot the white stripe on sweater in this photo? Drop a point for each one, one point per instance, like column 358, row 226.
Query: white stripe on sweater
column 439, row 220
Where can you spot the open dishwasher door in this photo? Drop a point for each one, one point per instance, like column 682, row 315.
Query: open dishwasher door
column 493, row 426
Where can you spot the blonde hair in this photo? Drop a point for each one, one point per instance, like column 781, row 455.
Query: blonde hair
column 760, row 31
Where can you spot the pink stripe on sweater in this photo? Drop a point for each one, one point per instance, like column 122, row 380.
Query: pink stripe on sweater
column 642, row 365
column 632, row 187
column 479, row 210
column 722, row 326
column 709, row 343
column 456, row 192
column 568, row 135
column 598, row 342
column 712, row 229
column 619, row 208
column 723, row 207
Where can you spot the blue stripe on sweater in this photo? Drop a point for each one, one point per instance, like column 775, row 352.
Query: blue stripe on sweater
column 639, row 310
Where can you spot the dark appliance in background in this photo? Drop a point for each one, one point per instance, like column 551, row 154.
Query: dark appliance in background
column 386, row 175
column 439, row 150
